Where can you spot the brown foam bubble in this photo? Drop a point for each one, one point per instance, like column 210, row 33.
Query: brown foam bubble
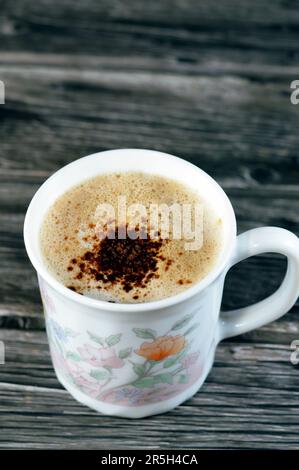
column 68, row 233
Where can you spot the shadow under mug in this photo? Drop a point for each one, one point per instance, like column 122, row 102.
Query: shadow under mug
column 136, row 360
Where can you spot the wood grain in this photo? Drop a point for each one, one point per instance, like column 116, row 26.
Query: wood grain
column 253, row 405
column 208, row 81
column 192, row 117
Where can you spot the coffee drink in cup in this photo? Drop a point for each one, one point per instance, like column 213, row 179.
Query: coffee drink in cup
column 131, row 237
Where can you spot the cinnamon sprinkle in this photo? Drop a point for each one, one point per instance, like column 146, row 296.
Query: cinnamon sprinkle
column 130, row 263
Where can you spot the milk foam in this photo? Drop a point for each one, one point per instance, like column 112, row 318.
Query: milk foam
column 68, row 231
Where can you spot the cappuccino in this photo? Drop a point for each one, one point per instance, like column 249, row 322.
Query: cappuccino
column 145, row 252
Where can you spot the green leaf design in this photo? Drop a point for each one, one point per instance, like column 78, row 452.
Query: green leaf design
column 58, row 345
column 145, row 333
column 181, row 323
column 164, row 378
column 113, row 339
column 73, row 356
column 124, row 353
column 145, row 382
column 183, row 379
column 192, row 328
column 154, row 363
column 170, row 362
column 96, row 338
column 174, row 359
column 139, row 369
column 99, row 374
column 70, row 333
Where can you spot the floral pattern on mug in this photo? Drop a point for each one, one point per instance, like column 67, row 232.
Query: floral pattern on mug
column 161, row 367
column 46, row 298
column 101, row 357
column 162, row 347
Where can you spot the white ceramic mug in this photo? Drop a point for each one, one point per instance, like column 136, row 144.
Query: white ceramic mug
column 136, row 360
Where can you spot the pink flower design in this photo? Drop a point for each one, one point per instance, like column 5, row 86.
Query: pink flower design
column 84, row 380
column 100, row 357
column 59, row 361
column 84, row 364
column 190, row 359
column 47, row 300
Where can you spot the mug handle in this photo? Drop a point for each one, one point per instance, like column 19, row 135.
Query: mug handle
column 255, row 242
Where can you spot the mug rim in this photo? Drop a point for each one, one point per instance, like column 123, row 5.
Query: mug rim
column 129, row 307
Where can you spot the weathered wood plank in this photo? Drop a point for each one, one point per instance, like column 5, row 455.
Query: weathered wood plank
column 250, row 407
column 201, row 64
column 250, row 12
column 75, row 112
column 177, row 30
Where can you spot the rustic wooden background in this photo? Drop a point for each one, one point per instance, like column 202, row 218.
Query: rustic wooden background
column 207, row 81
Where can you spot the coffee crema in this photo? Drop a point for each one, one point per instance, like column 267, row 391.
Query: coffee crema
column 141, row 266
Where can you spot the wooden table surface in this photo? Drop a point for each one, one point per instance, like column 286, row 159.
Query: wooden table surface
column 208, row 81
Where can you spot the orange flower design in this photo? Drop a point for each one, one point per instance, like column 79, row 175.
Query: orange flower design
column 162, row 347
